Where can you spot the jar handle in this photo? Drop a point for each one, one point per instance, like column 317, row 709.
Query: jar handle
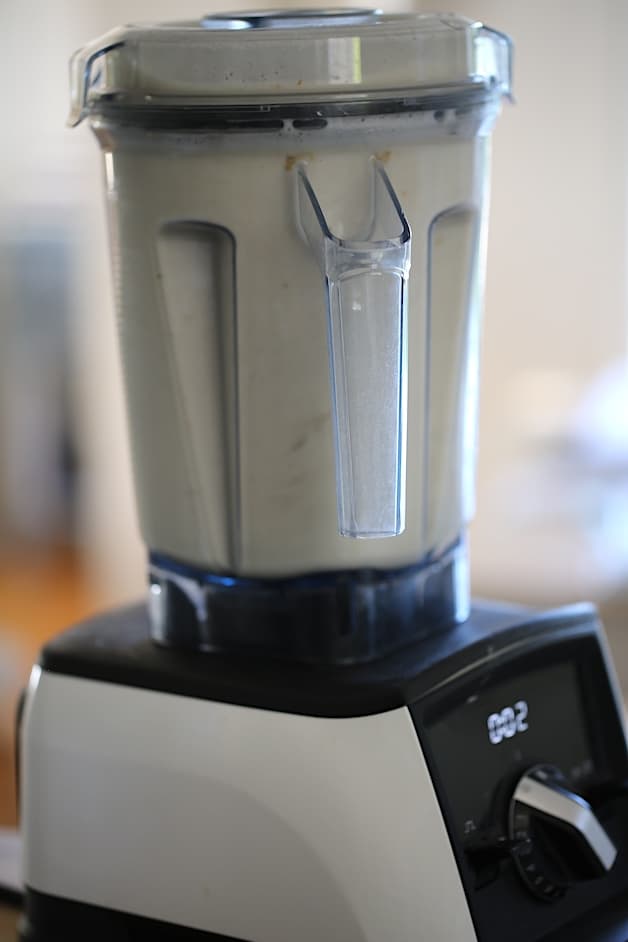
column 366, row 283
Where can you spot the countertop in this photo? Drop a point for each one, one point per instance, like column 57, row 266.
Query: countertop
column 8, row 923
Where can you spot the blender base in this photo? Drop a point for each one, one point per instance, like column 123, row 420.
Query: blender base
column 50, row 919
column 169, row 795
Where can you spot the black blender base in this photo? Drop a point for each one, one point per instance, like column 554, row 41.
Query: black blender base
column 52, row 919
column 117, row 647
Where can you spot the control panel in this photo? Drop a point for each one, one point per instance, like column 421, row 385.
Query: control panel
column 528, row 756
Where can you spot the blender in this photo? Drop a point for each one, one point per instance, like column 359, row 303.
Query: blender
column 309, row 732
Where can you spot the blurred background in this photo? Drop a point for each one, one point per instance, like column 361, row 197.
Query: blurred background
column 552, row 519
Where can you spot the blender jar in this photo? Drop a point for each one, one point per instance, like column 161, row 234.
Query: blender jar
column 297, row 206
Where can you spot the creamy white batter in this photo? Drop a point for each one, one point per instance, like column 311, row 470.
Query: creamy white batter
column 223, row 331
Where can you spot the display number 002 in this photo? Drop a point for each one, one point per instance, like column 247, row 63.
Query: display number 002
column 508, row 722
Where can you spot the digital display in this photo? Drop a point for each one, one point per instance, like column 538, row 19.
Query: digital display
column 536, row 717
column 508, row 722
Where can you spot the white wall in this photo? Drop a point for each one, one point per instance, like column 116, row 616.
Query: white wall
column 556, row 293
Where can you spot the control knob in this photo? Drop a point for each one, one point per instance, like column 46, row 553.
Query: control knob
column 555, row 836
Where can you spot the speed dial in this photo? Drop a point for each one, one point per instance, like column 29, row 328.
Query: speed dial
column 556, row 838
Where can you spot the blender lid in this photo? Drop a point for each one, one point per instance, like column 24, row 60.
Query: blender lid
column 278, row 56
